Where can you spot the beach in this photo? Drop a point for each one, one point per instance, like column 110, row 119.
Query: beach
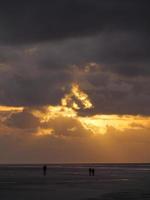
column 72, row 181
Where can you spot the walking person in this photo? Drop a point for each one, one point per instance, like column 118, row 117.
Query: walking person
column 44, row 170
column 90, row 171
column 93, row 172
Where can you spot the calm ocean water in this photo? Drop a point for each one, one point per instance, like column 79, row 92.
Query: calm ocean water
column 21, row 182
column 13, row 170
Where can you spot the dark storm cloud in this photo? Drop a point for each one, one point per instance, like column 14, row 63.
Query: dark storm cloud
column 44, row 76
column 30, row 21
column 23, row 91
column 124, row 53
column 45, row 46
column 23, row 84
column 23, row 120
column 111, row 93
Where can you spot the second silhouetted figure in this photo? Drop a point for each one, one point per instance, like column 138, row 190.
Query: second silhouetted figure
column 91, row 171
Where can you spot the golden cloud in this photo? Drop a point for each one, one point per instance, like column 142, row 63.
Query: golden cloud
column 65, row 120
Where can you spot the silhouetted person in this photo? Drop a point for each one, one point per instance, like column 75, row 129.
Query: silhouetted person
column 44, row 170
column 93, row 172
column 90, row 171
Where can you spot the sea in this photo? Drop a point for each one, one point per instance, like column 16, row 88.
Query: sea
column 72, row 182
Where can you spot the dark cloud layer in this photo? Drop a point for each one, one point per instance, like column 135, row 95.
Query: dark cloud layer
column 23, row 120
column 45, row 46
column 30, row 21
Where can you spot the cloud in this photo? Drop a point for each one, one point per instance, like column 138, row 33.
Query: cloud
column 69, row 139
column 67, row 127
column 29, row 22
column 51, row 54
column 40, row 121
column 130, row 145
column 23, row 120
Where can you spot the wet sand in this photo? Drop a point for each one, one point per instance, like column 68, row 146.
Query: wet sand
column 71, row 182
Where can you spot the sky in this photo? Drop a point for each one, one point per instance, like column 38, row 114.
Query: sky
column 74, row 81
